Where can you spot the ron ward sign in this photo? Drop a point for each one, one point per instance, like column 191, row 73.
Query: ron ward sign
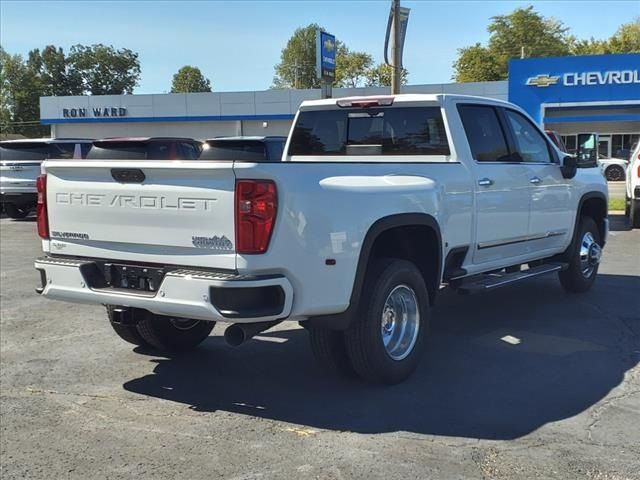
column 94, row 112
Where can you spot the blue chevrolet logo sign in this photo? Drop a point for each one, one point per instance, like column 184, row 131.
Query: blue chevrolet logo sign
column 542, row 80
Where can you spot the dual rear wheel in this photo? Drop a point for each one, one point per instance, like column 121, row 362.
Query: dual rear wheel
column 385, row 342
column 166, row 334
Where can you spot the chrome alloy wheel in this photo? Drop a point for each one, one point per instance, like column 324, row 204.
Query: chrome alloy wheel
column 183, row 323
column 590, row 254
column 400, row 322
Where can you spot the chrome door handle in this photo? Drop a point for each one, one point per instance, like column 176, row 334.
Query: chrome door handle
column 535, row 180
column 485, row 182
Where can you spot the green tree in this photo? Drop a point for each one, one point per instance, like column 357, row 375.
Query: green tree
column 97, row 70
column 297, row 67
column 591, row 46
column 477, row 64
column 627, row 38
column 20, row 90
column 57, row 75
column 352, row 68
column 105, row 70
column 380, row 76
column 190, row 79
column 522, row 31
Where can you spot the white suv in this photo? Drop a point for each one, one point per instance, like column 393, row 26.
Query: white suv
column 20, row 166
column 632, row 193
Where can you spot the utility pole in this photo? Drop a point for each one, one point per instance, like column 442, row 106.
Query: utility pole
column 395, row 49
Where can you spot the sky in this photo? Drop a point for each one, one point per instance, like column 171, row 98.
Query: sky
column 237, row 43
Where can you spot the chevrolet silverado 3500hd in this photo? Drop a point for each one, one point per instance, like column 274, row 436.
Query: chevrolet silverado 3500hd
column 378, row 203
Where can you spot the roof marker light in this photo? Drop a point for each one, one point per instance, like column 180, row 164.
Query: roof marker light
column 365, row 102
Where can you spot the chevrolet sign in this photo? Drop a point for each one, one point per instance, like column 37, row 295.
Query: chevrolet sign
column 579, row 79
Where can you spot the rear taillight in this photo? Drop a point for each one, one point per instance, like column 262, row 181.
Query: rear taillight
column 638, row 172
column 41, row 207
column 256, row 205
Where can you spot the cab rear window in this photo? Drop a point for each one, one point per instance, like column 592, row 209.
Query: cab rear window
column 370, row 131
column 129, row 150
column 242, row 151
column 245, row 150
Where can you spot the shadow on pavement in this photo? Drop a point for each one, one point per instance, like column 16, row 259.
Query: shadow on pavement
column 572, row 350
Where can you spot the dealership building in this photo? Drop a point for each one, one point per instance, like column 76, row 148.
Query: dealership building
column 571, row 95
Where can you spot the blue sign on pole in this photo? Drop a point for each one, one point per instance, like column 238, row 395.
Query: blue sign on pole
column 325, row 56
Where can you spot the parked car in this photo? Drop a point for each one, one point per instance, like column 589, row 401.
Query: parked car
column 145, row 148
column 632, row 189
column 613, row 169
column 378, row 202
column 245, row 149
column 20, row 166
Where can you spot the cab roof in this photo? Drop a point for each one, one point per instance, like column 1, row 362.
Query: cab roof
column 252, row 138
column 46, row 141
column 387, row 100
column 146, row 139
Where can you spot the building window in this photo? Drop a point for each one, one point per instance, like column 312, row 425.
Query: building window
column 570, row 141
column 622, row 145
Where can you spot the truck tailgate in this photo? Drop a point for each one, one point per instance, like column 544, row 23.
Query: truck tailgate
column 167, row 212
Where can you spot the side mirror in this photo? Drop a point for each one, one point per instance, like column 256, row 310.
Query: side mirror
column 569, row 166
column 587, row 151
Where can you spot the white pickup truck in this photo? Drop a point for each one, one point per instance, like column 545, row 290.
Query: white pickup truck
column 377, row 204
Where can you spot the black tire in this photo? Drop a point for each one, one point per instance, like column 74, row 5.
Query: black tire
column 627, row 206
column 330, row 351
column 15, row 212
column 167, row 335
column 128, row 333
column 363, row 338
column 614, row 173
column 634, row 213
column 573, row 279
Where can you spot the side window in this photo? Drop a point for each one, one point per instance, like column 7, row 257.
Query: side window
column 531, row 146
column 484, row 132
column 189, row 151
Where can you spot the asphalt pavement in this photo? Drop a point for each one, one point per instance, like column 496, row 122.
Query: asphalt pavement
column 523, row 382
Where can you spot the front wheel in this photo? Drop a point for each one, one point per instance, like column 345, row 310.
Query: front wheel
column 584, row 258
column 173, row 334
column 15, row 212
column 385, row 342
column 614, row 173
